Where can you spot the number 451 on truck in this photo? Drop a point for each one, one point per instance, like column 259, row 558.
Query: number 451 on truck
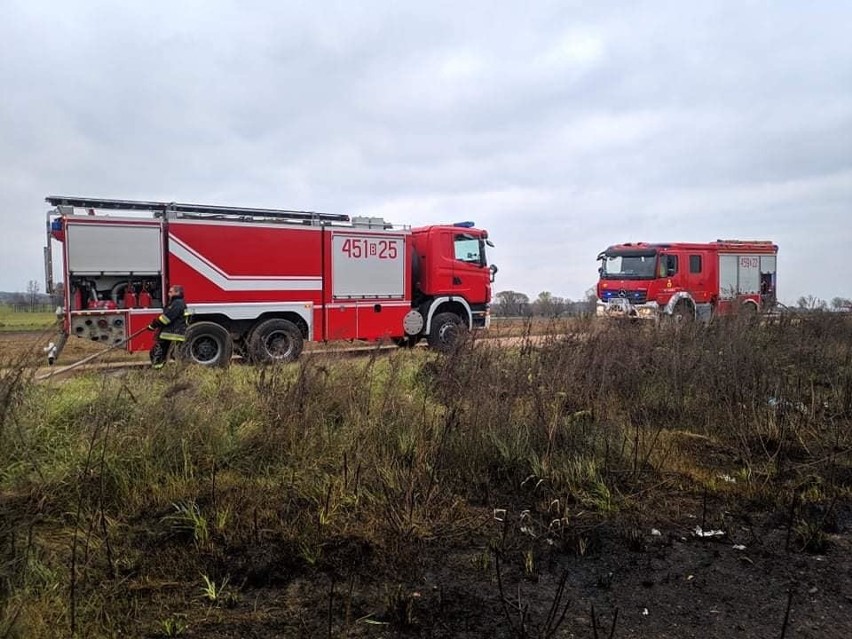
column 264, row 281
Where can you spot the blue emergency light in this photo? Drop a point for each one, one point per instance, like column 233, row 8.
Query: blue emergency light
column 465, row 225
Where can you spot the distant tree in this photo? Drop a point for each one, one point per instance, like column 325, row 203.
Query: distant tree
column 811, row 303
column 548, row 305
column 543, row 304
column 511, row 304
column 841, row 303
column 591, row 300
column 32, row 294
column 57, row 298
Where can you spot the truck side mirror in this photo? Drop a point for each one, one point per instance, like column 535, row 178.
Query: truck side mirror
column 493, row 268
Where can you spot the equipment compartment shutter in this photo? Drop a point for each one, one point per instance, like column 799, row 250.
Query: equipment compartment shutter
column 728, row 276
column 749, row 275
column 368, row 266
column 114, row 249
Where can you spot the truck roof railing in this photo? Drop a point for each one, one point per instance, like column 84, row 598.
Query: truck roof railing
column 176, row 209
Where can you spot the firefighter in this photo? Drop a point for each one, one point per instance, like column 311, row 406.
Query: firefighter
column 171, row 325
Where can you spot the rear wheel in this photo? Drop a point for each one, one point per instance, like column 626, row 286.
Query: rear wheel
column 276, row 340
column 207, row 344
column 747, row 311
column 447, row 332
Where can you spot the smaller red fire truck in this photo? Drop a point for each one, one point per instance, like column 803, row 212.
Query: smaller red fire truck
column 263, row 281
column 687, row 281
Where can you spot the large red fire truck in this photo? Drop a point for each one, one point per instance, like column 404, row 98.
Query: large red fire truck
column 687, row 281
column 261, row 280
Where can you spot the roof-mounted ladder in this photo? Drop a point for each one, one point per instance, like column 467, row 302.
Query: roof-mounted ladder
column 175, row 209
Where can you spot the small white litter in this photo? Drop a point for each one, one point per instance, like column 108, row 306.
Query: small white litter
column 708, row 533
column 645, row 612
column 739, row 547
column 656, row 533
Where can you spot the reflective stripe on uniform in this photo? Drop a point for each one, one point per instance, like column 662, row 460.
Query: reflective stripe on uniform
column 163, row 319
column 172, row 337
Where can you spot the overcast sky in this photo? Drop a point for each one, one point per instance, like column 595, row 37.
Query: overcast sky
column 561, row 127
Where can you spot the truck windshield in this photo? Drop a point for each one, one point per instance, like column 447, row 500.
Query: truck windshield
column 628, row 266
column 469, row 249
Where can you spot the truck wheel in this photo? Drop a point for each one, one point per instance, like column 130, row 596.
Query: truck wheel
column 276, row 340
column 446, row 333
column 208, row 344
column 747, row 311
column 683, row 312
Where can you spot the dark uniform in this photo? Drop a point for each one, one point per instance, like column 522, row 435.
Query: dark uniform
column 172, row 327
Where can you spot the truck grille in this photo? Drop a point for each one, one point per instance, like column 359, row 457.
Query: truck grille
column 634, row 297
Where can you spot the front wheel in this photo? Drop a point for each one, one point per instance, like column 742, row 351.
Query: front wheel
column 446, row 333
column 207, row 344
column 683, row 312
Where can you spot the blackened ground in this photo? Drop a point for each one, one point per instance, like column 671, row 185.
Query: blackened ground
column 655, row 572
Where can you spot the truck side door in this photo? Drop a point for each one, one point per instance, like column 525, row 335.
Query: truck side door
column 696, row 276
column 669, row 275
column 470, row 278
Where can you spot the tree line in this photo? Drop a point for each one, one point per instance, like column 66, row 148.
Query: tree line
column 811, row 303
column 546, row 304
column 32, row 299
column 516, row 304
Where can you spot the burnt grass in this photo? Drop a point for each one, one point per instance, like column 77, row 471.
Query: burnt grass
column 603, row 481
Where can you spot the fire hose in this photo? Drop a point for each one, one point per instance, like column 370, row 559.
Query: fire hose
column 88, row 359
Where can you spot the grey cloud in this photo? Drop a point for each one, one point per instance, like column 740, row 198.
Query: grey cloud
column 561, row 126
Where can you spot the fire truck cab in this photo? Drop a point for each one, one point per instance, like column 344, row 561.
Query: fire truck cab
column 264, row 281
column 687, row 281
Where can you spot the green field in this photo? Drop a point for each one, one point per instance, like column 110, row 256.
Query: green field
column 22, row 321
column 525, row 492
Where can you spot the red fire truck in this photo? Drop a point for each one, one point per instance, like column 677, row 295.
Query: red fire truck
column 686, row 281
column 263, row 281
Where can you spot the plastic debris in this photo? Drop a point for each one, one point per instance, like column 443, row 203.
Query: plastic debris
column 645, row 612
column 708, row 533
column 656, row 533
column 739, row 547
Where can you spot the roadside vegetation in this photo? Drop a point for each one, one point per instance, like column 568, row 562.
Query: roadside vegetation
column 16, row 320
column 502, row 492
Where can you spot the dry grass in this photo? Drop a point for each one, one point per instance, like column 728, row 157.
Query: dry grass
column 117, row 494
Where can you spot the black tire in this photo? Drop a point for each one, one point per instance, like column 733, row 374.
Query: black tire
column 447, row 332
column 207, row 344
column 748, row 312
column 276, row 340
column 683, row 312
